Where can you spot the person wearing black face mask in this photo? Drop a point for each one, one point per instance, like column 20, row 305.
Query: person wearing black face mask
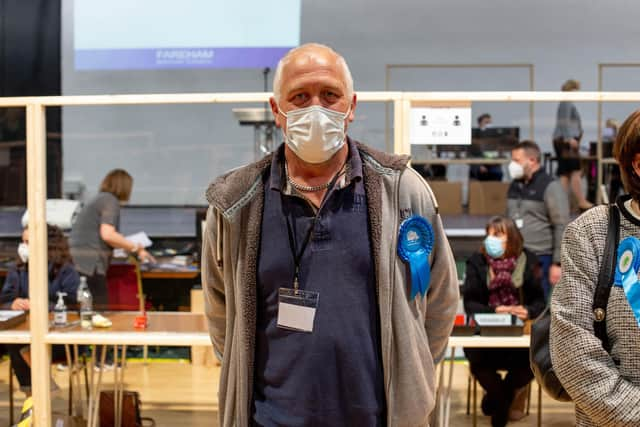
column 540, row 208
column 316, row 264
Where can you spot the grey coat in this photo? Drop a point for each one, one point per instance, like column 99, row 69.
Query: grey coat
column 605, row 387
column 414, row 333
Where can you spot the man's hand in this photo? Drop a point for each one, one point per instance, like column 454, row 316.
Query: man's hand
column 573, row 143
column 555, row 271
column 503, row 309
column 20, row 304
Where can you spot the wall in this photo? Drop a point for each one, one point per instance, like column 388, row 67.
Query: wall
column 173, row 152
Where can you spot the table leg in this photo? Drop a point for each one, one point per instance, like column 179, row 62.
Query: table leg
column 95, row 393
column 70, row 366
column 77, row 368
column 447, row 402
column 119, row 384
column 439, row 393
column 91, row 382
column 116, row 389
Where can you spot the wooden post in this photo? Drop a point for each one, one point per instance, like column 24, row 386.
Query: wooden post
column 401, row 110
column 38, row 260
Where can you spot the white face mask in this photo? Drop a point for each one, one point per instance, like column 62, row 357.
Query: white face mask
column 315, row 133
column 516, row 171
column 608, row 133
column 23, row 252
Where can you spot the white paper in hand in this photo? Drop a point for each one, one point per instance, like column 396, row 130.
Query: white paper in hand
column 139, row 238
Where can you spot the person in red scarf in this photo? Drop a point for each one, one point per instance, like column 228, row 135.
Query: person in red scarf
column 502, row 277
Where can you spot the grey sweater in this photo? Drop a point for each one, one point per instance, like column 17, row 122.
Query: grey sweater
column 413, row 333
column 568, row 123
column 605, row 387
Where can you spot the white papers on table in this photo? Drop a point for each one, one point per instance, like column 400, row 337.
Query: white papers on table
column 9, row 314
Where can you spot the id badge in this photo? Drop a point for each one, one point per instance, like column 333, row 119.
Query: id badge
column 519, row 222
column 297, row 309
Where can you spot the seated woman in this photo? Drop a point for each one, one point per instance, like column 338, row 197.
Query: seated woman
column 15, row 293
column 502, row 277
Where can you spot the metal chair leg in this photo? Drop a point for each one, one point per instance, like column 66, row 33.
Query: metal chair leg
column 469, row 394
column 10, row 393
column 475, row 403
column 539, row 406
column 528, row 397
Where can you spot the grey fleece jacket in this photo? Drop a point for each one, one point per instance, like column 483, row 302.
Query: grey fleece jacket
column 414, row 333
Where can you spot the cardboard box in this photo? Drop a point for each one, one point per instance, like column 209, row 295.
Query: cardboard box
column 488, row 197
column 448, row 195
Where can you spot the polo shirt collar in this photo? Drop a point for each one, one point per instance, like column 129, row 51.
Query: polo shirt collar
column 354, row 169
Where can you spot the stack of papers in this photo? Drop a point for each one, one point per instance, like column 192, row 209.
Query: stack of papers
column 11, row 318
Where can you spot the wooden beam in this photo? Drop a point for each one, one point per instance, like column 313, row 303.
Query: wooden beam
column 38, row 276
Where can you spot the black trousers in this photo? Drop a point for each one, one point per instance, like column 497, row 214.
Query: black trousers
column 98, row 286
column 22, row 369
column 485, row 363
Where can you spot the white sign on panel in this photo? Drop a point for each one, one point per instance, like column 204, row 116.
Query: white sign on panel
column 440, row 125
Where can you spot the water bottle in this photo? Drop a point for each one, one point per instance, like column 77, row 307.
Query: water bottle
column 85, row 301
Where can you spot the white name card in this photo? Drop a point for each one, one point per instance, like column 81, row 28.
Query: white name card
column 493, row 319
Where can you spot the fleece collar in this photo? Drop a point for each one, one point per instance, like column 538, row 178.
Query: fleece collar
column 231, row 191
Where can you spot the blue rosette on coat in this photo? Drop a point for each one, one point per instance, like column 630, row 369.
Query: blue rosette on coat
column 627, row 269
column 415, row 243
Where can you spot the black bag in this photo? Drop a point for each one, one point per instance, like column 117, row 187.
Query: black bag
column 539, row 356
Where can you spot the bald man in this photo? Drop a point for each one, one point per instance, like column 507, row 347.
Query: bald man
column 330, row 286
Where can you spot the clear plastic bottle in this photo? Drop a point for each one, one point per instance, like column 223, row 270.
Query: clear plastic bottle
column 85, row 302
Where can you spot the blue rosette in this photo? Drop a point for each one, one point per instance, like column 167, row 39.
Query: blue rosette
column 415, row 243
column 627, row 269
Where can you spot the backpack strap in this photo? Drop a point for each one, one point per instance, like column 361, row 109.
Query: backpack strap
column 605, row 277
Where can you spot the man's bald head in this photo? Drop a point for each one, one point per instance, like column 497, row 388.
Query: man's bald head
column 311, row 52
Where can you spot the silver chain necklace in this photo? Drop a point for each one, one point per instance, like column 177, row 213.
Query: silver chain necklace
column 304, row 188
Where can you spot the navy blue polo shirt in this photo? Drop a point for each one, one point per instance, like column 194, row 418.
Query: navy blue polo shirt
column 333, row 375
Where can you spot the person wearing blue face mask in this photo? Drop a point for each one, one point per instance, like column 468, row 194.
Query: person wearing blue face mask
column 503, row 277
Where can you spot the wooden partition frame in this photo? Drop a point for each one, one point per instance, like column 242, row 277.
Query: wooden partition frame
column 41, row 338
column 601, row 161
column 391, row 67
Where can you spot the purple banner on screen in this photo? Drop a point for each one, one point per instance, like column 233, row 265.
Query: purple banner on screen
column 199, row 57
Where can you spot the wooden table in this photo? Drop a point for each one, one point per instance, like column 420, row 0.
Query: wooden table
column 150, row 274
column 443, row 394
column 169, row 274
column 17, row 335
column 164, row 328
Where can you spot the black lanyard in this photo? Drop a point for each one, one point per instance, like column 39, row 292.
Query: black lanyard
column 292, row 244
column 297, row 255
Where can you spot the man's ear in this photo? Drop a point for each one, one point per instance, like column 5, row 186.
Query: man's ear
column 354, row 102
column 275, row 110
